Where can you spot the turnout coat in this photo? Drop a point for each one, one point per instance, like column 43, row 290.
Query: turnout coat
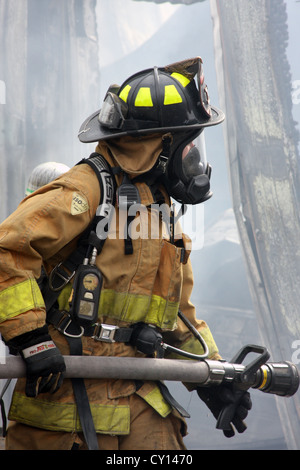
column 149, row 286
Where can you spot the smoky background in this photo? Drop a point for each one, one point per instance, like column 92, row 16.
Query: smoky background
column 58, row 58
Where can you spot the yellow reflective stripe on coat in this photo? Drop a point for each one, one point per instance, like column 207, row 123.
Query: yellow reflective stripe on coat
column 132, row 308
column 59, row 416
column 20, row 298
column 155, row 399
column 193, row 346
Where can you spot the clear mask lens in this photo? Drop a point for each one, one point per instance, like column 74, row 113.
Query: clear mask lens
column 201, row 145
column 194, row 160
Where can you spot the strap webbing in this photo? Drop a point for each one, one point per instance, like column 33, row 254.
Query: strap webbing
column 82, row 400
column 107, row 191
column 171, row 400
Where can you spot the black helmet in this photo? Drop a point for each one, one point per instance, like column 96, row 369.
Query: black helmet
column 161, row 99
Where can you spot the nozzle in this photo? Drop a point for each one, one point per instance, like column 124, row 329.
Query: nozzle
column 279, row 378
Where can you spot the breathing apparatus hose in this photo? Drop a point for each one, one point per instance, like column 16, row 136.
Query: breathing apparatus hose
column 148, row 340
column 197, row 335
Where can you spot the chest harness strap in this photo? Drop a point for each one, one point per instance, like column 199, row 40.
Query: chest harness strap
column 68, row 323
column 89, row 246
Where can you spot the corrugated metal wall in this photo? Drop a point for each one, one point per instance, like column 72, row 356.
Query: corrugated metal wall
column 261, row 138
column 49, row 64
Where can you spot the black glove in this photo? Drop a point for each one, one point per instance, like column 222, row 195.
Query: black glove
column 228, row 405
column 44, row 363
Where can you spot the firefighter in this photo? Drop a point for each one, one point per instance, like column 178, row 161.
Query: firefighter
column 43, row 174
column 139, row 280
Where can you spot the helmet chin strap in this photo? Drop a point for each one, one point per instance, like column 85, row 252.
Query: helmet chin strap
column 166, row 152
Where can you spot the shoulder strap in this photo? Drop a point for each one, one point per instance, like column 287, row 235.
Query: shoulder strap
column 107, row 202
column 88, row 239
column 59, row 277
column 105, row 177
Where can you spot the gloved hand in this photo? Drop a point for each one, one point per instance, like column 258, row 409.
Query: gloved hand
column 228, row 405
column 44, row 363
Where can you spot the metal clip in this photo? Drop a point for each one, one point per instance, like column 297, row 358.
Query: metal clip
column 64, row 331
column 59, row 274
column 162, row 163
column 106, row 333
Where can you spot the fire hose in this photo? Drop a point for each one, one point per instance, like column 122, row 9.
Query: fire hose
column 280, row 378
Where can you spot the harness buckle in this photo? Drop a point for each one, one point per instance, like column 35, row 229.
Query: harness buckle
column 55, row 272
column 63, row 324
column 64, row 330
column 105, row 333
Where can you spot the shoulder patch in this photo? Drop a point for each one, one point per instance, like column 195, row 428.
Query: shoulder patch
column 79, row 204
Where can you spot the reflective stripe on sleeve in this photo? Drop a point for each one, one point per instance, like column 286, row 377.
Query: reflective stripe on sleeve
column 20, row 298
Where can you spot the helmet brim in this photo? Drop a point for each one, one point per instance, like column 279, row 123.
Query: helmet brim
column 92, row 131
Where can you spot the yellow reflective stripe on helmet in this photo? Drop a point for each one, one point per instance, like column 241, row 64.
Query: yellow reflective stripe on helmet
column 124, row 93
column 172, row 96
column 20, row 298
column 181, row 78
column 143, row 97
column 60, row 416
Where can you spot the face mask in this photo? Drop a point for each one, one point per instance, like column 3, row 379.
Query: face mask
column 190, row 180
column 197, row 191
column 191, row 162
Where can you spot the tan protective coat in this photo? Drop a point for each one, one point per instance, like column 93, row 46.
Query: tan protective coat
column 148, row 286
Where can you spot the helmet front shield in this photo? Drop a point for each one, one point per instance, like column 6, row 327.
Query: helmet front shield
column 192, row 69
